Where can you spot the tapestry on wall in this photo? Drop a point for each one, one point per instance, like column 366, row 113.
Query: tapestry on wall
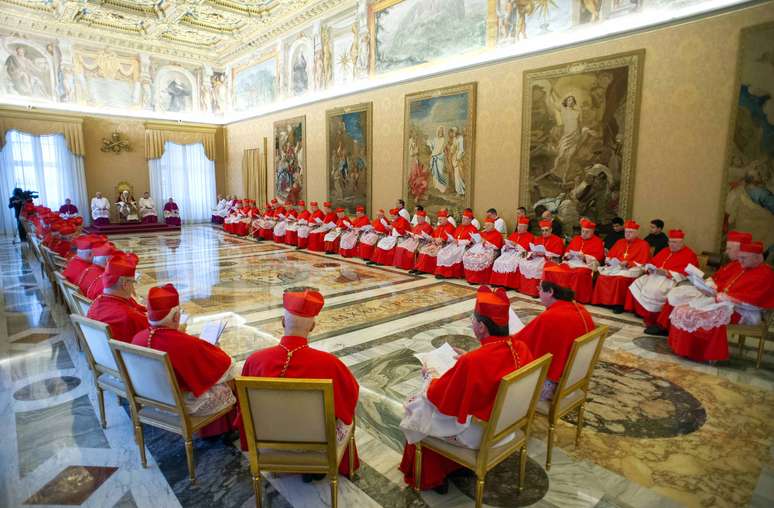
column 348, row 134
column 290, row 159
column 579, row 138
column 439, row 148
column 750, row 175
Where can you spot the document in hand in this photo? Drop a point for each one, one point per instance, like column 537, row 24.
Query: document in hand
column 438, row 360
column 696, row 277
column 537, row 249
column 475, row 237
column 425, row 236
column 213, row 330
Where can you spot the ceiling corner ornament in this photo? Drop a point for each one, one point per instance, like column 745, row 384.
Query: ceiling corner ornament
column 115, row 144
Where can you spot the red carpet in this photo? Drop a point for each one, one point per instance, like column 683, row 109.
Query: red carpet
column 130, row 228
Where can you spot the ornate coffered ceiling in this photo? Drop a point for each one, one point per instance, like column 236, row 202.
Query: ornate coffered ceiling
column 204, row 31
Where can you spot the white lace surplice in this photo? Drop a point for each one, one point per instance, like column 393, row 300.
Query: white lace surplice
column 478, row 257
column 451, row 254
column 349, row 239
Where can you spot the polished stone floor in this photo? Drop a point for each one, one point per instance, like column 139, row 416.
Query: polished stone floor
column 660, row 431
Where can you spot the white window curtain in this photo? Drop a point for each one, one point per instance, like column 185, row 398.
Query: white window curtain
column 186, row 174
column 43, row 164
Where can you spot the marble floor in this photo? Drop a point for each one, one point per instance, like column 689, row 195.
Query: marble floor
column 660, row 431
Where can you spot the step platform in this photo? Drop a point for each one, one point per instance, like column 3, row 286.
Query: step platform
column 130, row 228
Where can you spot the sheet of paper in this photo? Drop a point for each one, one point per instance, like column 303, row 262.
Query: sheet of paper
column 438, row 360
column 514, row 323
column 475, row 237
column 425, row 236
column 213, row 330
column 613, row 262
column 537, row 249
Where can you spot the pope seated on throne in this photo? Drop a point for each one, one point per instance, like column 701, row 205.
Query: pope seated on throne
column 127, row 207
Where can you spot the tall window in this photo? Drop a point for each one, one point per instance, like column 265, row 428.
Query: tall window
column 43, row 164
column 186, row 174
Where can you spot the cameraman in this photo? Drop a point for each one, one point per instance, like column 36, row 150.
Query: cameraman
column 16, row 202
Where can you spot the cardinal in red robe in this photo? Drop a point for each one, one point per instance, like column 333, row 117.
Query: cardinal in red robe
column 448, row 263
column 531, row 269
column 308, row 222
column 294, row 358
column 582, row 257
column 332, row 239
column 465, row 391
column 317, row 235
column 269, row 220
column 291, row 231
column 407, row 247
column 742, row 291
column 280, row 225
column 428, row 252
column 505, row 270
column 380, row 226
column 78, row 264
column 621, row 268
column 349, row 239
column 384, row 254
column 90, row 283
column 116, row 306
column 648, row 293
column 477, row 260
column 202, row 369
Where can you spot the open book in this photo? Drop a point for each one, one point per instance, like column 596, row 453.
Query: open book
column 213, row 330
column 696, row 276
column 537, row 249
column 438, row 360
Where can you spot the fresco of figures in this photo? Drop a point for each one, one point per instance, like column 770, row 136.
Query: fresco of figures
column 290, row 159
column 439, row 148
column 348, row 134
column 519, row 20
column 255, row 83
column 749, row 205
column 578, row 138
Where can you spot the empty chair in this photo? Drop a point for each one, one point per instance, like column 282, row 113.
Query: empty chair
column 506, row 432
column 95, row 337
column 155, row 397
column 291, row 428
column 573, row 388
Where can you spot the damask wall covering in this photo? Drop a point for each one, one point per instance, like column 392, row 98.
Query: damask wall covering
column 228, row 59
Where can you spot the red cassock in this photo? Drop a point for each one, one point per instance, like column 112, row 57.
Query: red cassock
column 291, row 236
column 554, row 330
column 752, row 286
column 305, row 215
column 267, row 231
column 612, row 289
column 124, row 317
column 511, row 279
column 426, row 262
column 468, row 388
column 279, row 215
column 495, row 238
column 91, row 282
column 333, row 245
column 74, row 269
column 404, row 258
column 666, row 260
column 455, row 271
column 553, row 244
column 365, row 251
column 242, row 226
column 386, row 257
column 63, row 248
column 358, row 222
column 578, row 279
column 308, row 363
column 316, row 240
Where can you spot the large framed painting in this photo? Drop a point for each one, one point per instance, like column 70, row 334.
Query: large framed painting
column 405, row 33
column 348, row 133
column 290, row 159
column 749, row 175
column 579, row 137
column 439, row 148
column 254, row 82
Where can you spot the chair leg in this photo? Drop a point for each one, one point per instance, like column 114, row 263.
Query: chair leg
column 334, row 491
column 418, row 467
column 479, row 492
column 742, row 339
column 761, row 347
column 140, row 443
column 352, row 456
column 190, row 457
column 101, row 404
column 257, row 489
column 550, row 445
column 522, row 468
column 579, row 428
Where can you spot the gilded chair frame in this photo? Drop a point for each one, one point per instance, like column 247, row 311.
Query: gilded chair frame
column 97, row 369
column 244, row 384
column 483, row 463
column 188, row 424
column 759, row 331
column 555, row 411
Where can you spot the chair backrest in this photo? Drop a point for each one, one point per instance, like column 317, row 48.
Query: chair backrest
column 82, row 303
column 68, row 289
column 279, row 412
column 516, row 400
column 96, row 336
column 148, row 376
column 581, row 362
column 58, row 261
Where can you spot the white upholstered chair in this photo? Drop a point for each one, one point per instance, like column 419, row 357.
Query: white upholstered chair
column 95, row 337
column 155, row 397
column 573, row 388
column 81, row 303
column 512, row 415
column 290, row 427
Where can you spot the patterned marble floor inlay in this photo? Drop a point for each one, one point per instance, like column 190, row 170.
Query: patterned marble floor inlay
column 659, row 431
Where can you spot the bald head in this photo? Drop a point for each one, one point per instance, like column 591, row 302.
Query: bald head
column 297, row 325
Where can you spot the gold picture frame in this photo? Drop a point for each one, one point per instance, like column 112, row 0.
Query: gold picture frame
column 420, row 165
column 590, row 79
column 290, row 174
column 345, row 145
